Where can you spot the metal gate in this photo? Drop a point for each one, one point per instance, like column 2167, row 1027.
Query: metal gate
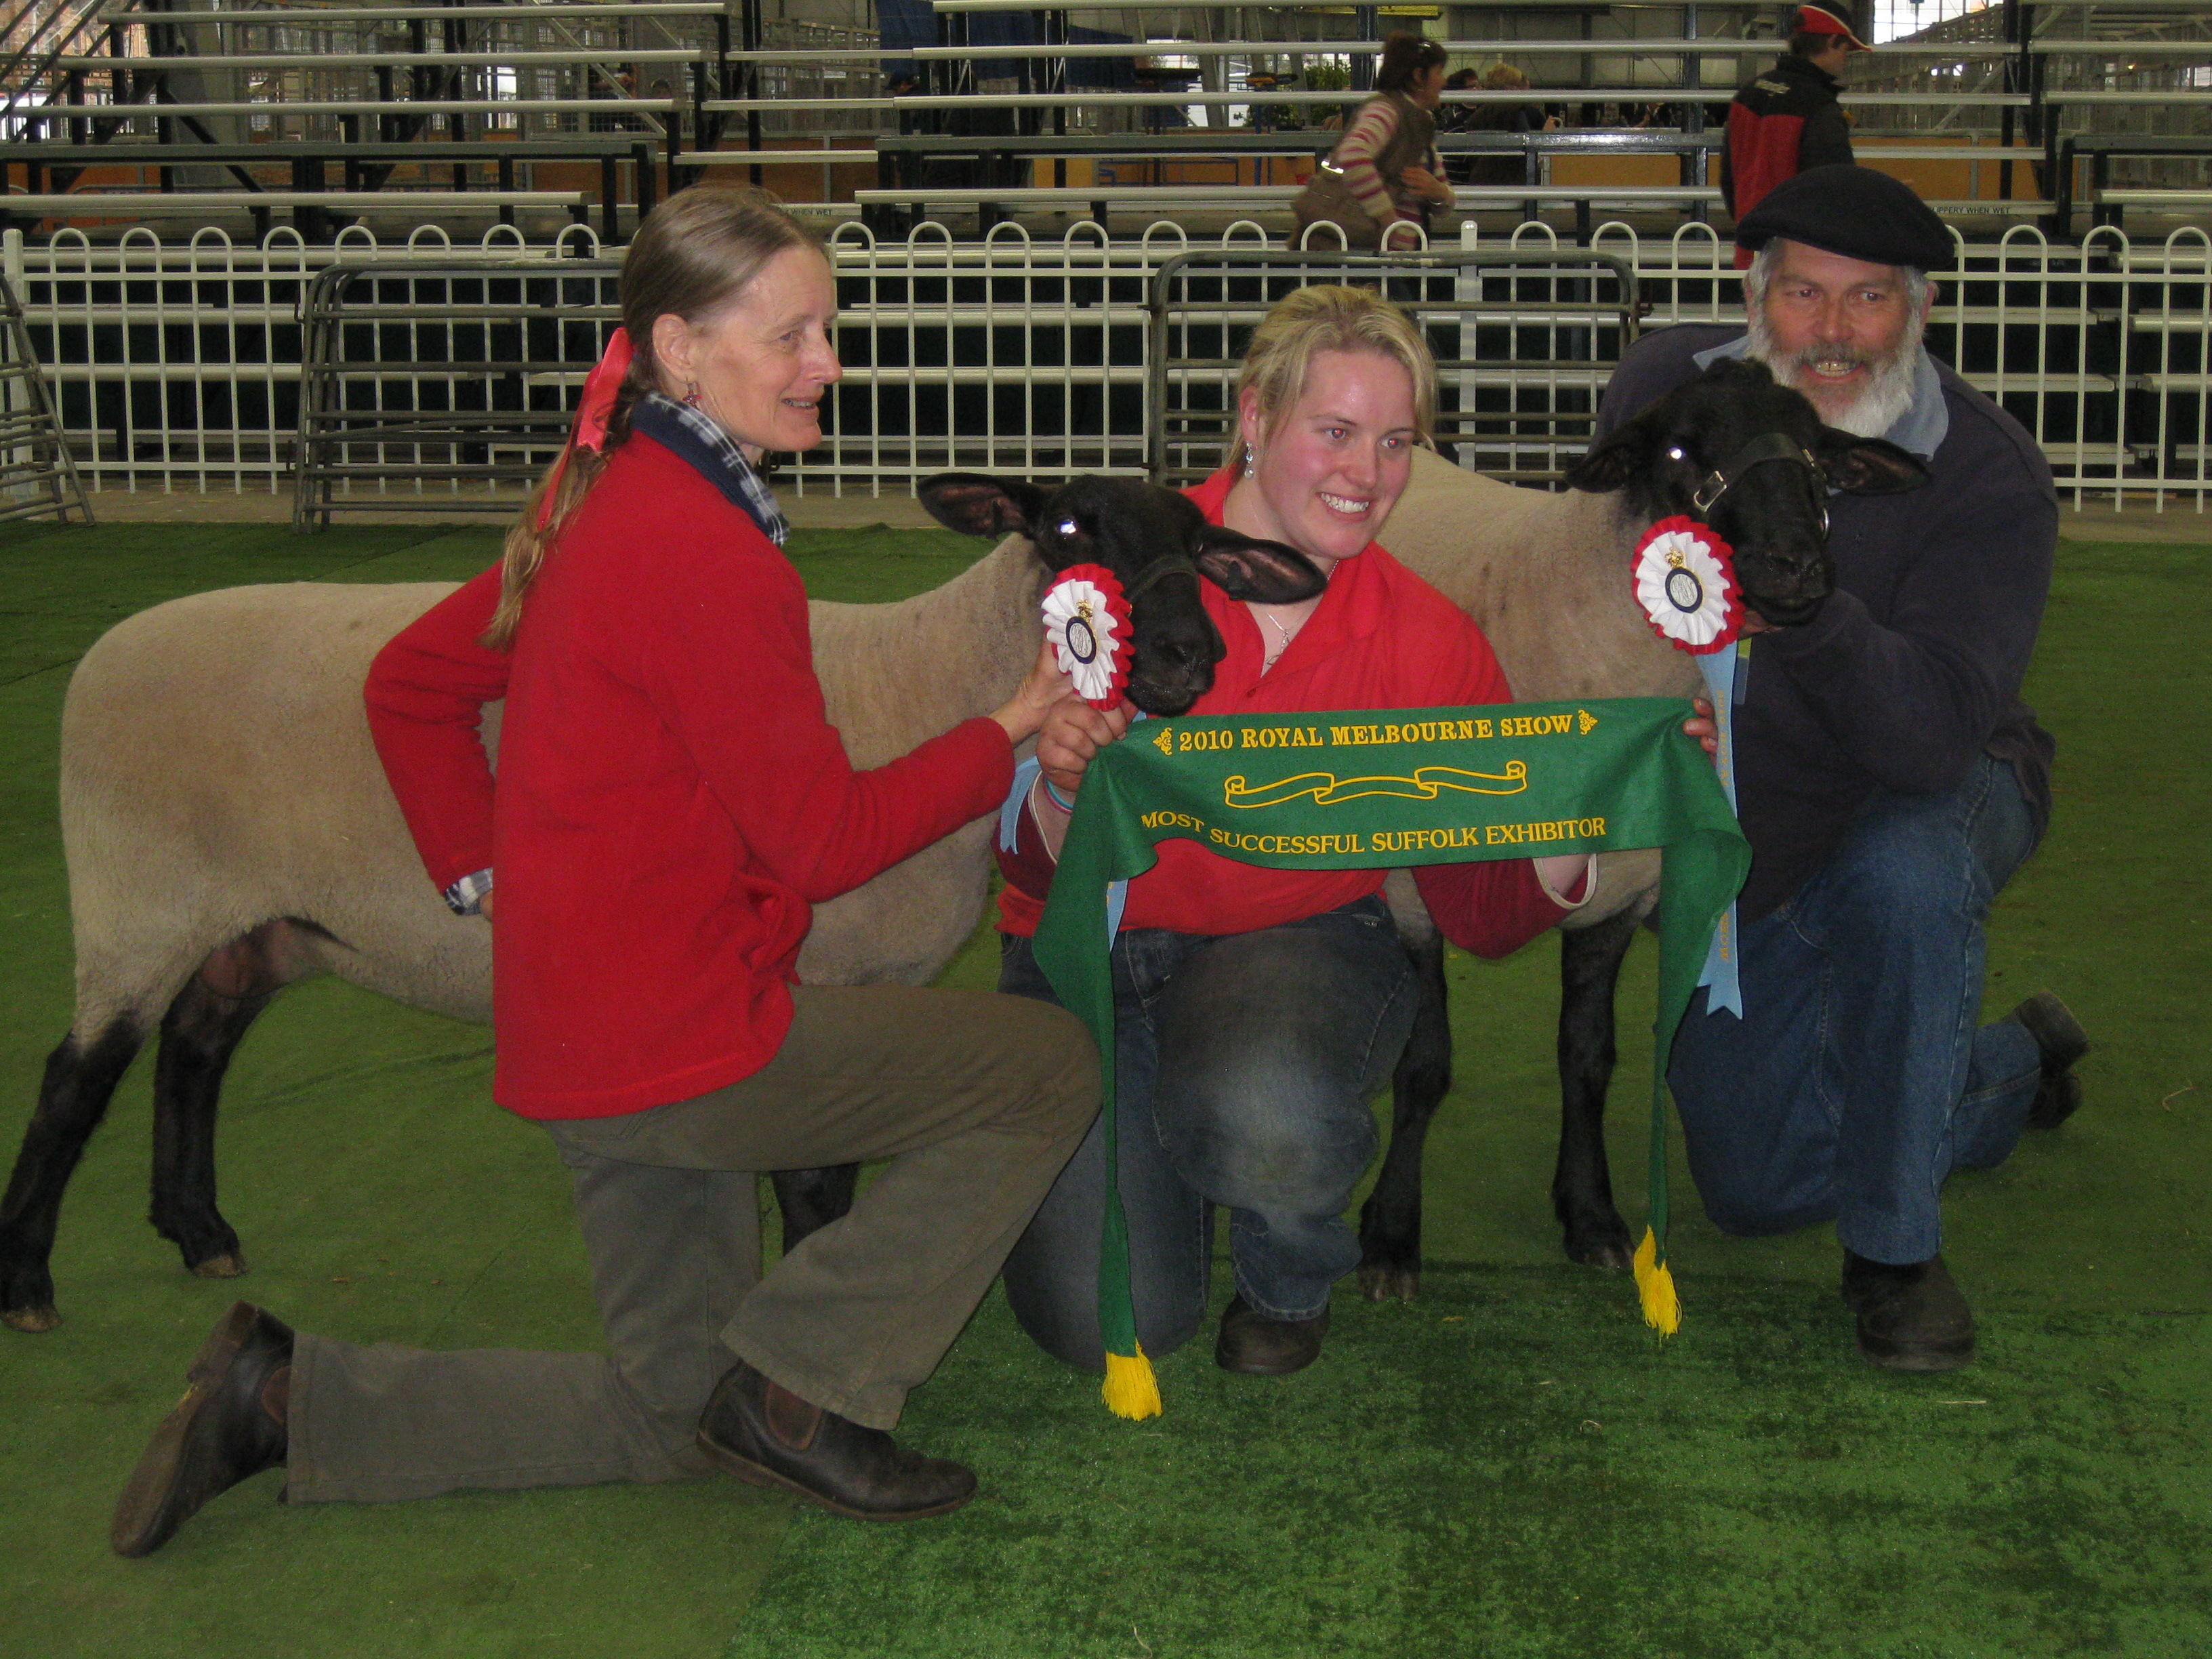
column 442, row 388
column 1523, row 341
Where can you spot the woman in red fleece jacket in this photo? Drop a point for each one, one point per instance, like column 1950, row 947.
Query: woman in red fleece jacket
column 1258, row 1010
column 671, row 801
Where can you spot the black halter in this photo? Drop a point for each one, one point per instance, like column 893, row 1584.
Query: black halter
column 1768, row 446
column 1168, row 564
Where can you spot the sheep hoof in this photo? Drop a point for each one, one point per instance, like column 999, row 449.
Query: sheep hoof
column 1381, row 1281
column 1612, row 1254
column 229, row 1265
column 32, row 1320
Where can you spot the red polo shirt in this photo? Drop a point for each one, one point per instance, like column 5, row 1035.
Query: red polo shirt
column 1380, row 638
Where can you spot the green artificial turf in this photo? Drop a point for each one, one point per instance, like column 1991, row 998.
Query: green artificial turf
column 1510, row 1465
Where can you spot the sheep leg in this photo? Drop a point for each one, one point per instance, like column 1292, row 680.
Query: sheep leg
column 812, row 1199
column 80, row 1080
column 199, row 1034
column 1582, row 1185
column 1390, row 1220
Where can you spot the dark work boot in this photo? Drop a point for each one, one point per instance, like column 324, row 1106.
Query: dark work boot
column 1912, row 1316
column 1252, row 1345
column 2061, row 1041
column 761, row 1432
column 230, row 1425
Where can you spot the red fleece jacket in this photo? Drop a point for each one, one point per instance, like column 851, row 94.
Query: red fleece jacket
column 672, row 800
column 1381, row 638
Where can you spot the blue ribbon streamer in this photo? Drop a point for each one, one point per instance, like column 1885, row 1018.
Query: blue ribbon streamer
column 1724, row 672
column 1010, row 819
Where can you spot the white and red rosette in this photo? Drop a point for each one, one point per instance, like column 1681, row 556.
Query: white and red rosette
column 1087, row 620
column 1685, row 579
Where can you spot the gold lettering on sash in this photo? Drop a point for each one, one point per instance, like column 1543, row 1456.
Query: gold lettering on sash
column 1328, row 790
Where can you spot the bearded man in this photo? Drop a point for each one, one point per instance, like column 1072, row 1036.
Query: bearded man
column 1889, row 779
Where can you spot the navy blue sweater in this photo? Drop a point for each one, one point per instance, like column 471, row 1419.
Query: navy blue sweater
column 1913, row 665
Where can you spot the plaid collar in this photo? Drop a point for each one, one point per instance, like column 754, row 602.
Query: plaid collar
column 715, row 456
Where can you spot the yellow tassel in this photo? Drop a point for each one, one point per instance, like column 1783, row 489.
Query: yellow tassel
column 1131, row 1390
column 1654, row 1288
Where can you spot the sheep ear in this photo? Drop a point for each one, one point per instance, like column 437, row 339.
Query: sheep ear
column 1264, row 573
column 977, row 504
column 1868, row 467
column 1625, row 455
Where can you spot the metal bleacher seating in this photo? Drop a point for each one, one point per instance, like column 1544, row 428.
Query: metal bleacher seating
column 975, row 111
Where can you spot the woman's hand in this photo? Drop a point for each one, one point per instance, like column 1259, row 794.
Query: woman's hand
column 1024, row 712
column 483, row 907
column 1072, row 734
column 1427, row 186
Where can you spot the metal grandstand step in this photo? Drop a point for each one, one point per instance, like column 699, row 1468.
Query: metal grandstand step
column 38, row 475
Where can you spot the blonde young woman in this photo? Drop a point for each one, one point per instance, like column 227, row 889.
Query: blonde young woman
column 670, row 802
column 1258, row 1010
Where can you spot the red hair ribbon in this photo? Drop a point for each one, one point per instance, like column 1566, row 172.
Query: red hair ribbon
column 590, row 431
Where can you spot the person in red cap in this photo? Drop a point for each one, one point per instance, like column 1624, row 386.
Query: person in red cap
column 1787, row 120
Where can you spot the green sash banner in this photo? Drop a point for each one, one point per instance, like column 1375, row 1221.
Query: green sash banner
column 1385, row 788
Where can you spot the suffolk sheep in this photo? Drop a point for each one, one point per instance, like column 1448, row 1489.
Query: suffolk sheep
column 1547, row 578
column 228, row 830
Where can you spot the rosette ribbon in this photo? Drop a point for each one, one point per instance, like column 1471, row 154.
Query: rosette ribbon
column 598, row 402
column 1684, row 578
column 1684, row 575
column 1086, row 617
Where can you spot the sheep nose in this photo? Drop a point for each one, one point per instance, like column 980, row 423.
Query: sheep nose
column 1184, row 652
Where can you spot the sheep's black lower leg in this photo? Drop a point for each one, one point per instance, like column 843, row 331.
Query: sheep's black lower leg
column 1390, row 1220
column 80, row 1080
column 812, row 1199
column 199, row 1034
column 1582, row 1185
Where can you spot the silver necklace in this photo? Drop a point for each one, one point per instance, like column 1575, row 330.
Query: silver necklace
column 1275, row 655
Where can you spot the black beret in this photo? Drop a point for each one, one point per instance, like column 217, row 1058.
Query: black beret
column 1854, row 211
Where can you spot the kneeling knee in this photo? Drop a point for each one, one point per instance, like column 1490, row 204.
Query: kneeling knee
column 1067, row 1328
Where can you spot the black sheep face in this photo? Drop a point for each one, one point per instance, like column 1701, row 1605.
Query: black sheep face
column 1157, row 544
column 1774, row 513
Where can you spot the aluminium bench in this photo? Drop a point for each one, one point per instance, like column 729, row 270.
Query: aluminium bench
column 309, row 160
column 217, row 204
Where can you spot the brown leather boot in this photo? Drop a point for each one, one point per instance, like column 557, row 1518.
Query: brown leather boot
column 761, row 1432
column 229, row 1425
column 1252, row 1345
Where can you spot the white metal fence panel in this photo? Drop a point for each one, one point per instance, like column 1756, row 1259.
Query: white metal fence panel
column 176, row 366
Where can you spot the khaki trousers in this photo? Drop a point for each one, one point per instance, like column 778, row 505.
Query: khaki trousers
column 976, row 1099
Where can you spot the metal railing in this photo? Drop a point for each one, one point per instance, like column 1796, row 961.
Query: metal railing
column 178, row 366
column 1524, row 339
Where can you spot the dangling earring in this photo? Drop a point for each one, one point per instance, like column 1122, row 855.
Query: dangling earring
column 690, row 394
column 1251, row 461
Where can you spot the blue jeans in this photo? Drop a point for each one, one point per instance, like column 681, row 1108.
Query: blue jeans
column 1244, row 1063
column 1857, row 1081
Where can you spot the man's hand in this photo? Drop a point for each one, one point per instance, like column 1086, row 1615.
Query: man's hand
column 1703, row 727
column 1072, row 734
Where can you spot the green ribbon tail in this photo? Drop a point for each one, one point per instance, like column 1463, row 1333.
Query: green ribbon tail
column 1103, row 845
column 1700, row 871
